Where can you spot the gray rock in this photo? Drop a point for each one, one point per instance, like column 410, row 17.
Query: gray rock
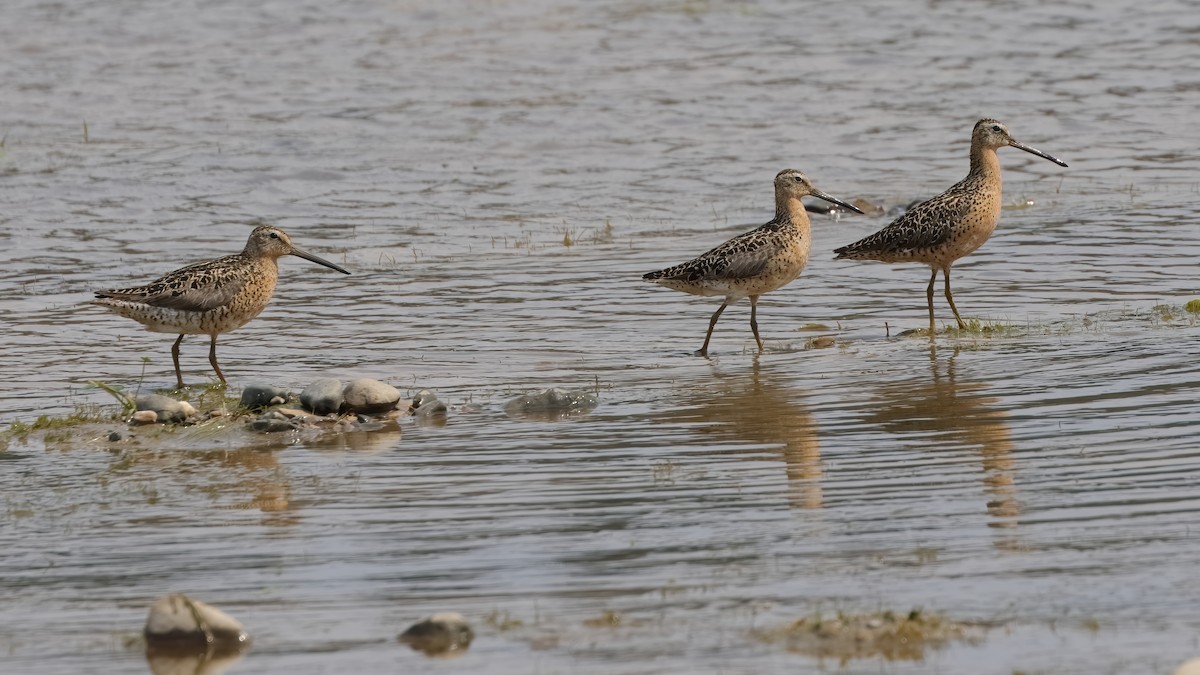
column 323, row 397
column 552, row 403
column 428, row 410
column 440, row 634
column 114, row 436
column 370, row 396
column 272, row 422
column 258, row 396
column 167, row 408
column 178, row 623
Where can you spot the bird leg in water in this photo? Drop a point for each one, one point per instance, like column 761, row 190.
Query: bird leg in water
column 950, row 298
column 175, row 358
column 711, row 323
column 929, row 295
column 212, row 358
column 754, row 320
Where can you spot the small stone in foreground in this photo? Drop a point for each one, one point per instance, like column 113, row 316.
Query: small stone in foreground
column 369, row 396
column 176, row 623
column 144, row 417
column 258, row 396
column 441, row 634
column 323, row 396
column 167, row 408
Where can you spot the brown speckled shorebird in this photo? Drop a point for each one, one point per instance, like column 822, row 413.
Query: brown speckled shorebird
column 210, row 297
column 759, row 261
column 941, row 230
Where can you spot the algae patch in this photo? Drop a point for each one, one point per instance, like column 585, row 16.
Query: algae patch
column 887, row 635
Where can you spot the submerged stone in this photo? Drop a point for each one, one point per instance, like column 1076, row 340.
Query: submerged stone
column 323, row 396
column 258, row 396
column 177, row 623
column 369, row 396
column 552, row 403
column 428, row 410
column 442, row 634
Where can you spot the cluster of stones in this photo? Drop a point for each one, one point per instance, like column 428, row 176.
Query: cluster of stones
column 181, row 629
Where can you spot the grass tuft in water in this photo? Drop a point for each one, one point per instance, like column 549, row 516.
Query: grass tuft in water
column 1192, row 306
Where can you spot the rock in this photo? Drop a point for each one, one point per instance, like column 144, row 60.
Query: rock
column 144, row 417
column 428, row 410
column 259, row 396
column 167, row 408
column 820, row 342
column 115, row 436
column 176, row 623
column 440, row 634
column 271, row 422
column 369, row 396
column 552, row 403
column 323, row 397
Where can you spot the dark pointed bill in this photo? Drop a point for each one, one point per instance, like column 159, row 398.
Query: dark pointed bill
column 317, row 259
column 1039, row 153
column 834, row 200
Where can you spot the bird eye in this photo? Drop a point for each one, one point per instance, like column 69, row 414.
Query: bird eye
column 996, row 128
column 797, row 178
column 274, row 235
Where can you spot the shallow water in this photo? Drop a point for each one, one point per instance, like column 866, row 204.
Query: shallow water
column 1040, row 480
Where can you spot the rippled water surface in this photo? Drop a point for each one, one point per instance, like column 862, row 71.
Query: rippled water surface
column 497, row 175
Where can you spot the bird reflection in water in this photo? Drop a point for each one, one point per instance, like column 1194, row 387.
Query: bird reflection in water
column 948, row 413
column 761, row 407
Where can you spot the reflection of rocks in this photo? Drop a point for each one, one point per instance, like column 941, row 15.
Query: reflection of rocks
column 444, row 634
column 953, row 414
column 552, row 404
column 177, row 624
column 761, row 408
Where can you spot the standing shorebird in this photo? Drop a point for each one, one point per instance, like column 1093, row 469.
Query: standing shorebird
column 210, row 297
column 757, row 262
column 941, row 230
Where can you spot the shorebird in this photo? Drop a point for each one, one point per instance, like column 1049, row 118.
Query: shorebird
column 210, row 297
column 941, row 230
column 759, row 261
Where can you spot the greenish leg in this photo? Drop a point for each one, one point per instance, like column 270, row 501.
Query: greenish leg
column 212, row 358
column 949, row 298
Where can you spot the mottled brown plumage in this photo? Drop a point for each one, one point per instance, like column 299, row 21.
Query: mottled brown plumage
column 941, row 230
column 757, row 262
column 210, row 297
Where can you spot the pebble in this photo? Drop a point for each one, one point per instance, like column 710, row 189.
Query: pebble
column 552, row 403
column 323, row 396
column 114, row 436
column 369, row 396
column 440, row 634
column 144, row 417
column 272, row 421
column 428, row 410
column 167, row 408
column 179, row 623
column 258, row 396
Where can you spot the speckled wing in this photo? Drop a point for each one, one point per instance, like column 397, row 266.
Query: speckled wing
column 923, row 227
column 742, row 257
column 195, row 288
